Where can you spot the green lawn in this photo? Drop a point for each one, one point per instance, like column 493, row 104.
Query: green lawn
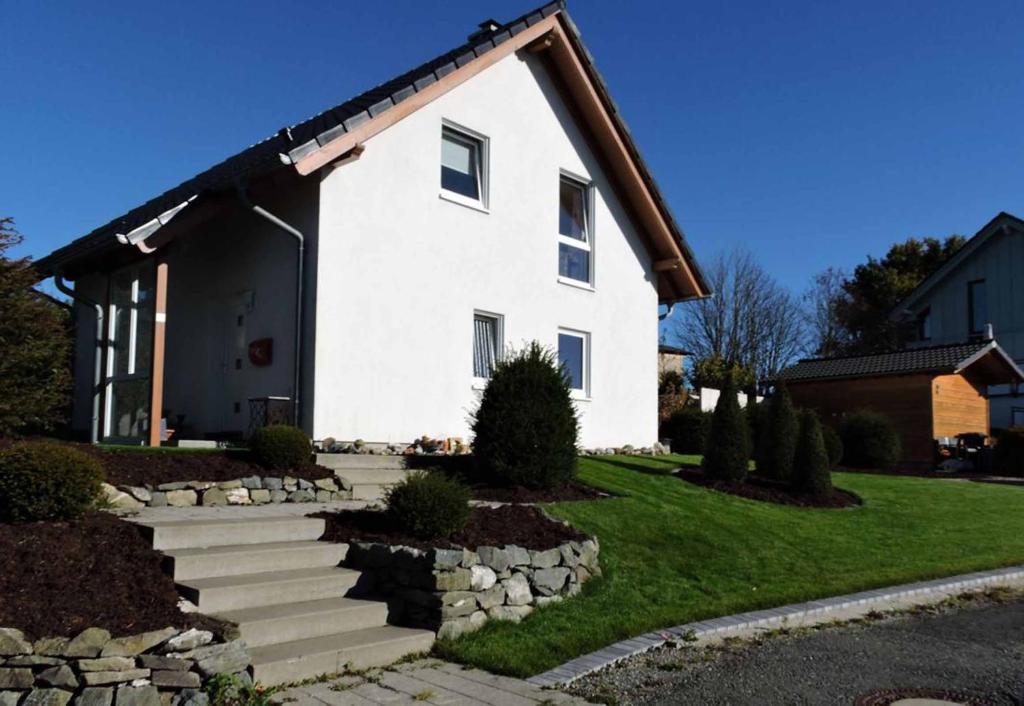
column 673, row 553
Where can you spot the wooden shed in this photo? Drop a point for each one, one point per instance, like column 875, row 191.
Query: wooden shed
column 928, row 393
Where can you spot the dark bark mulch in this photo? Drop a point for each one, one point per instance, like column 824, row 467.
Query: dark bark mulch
column 155, row 467
column 58, row 578
column 771, row 491
column 517, row 494
column 521, row 525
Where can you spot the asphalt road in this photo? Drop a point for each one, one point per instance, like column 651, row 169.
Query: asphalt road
column 977, row 649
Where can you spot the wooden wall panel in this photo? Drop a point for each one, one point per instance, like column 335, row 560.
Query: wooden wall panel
column 957, row 407
column 905, row 399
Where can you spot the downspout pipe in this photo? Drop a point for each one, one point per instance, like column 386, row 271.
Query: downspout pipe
column 97, row 382
column 263, row 213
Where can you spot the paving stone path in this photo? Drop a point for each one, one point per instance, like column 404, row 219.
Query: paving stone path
column 428, row 681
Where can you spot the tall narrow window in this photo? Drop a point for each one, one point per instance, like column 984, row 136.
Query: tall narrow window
column 924, row 325
column 574, row 241
column 573, row 354
column 463, row 166
column 977, row 308
column 486, row 343
column 130, row 341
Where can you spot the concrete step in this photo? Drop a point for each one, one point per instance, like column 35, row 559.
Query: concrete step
column 193, row 534
column 240, row 559
column 365, row 476
column 289, row 622
column 360, row 461
column 226, row 593
column 360, row 649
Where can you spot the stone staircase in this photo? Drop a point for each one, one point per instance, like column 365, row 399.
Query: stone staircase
column 296, row 609
column 369, row 475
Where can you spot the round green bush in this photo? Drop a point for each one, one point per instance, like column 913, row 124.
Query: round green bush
column 811, row 474
column 47, row 481
column 833, row 445
column 525, row 430
column 280, row 447
column 429, row 505
column 1008, row 454
column 727, row 454
column 688, row 429
column 869, row 440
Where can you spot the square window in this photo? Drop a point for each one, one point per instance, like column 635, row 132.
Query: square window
column 486, row 343
column 574, row 221
column 573, row 354
column 463, row 166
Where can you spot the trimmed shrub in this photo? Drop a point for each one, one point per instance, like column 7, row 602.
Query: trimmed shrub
column 833, row 445
column 727, row 452
column 429, row 505
column 811, row 474
column 47, row 481
column 280, row 447
column 525, row 429
column 1008, row 454
column 688, row 429
column 869, row 440
column 776, row 444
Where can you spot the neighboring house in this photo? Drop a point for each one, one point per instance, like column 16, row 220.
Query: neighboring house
column 670, row 359
column 370, row 264
column 982, row 284
column 928, row 393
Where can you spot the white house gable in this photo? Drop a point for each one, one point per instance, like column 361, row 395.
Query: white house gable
column 408, row 271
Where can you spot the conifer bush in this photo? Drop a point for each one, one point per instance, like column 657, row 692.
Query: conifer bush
column 833, row 445
column 777, row 443
column 811, row 474
column 688, row 429
column 525, row 431
column 869, row 440
column 727, row 452
column 280, row 447
column 47, row 481
column 1008, row 454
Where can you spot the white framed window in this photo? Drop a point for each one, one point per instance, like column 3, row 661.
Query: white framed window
column 574, row 355
column 130, row 318
column 487, row 343
column 464, row 166
column 575, row 231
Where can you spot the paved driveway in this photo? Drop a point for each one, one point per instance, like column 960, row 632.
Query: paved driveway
column 977, row 648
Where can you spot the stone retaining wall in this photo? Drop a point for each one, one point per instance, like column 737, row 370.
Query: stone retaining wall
column 253, row 490
column 160, row 668
column 454, row 591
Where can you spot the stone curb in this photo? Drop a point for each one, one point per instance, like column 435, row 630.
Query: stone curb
column 863, row 602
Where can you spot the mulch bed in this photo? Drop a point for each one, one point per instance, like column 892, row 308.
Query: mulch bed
column 521, row 525
column 155, row 467
column 58, row 578
column 564, row 493
column 765, row 490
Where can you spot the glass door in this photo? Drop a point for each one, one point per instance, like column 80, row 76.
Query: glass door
column 129, row 354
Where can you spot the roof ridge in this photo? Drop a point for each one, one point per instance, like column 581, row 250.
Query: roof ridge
column 938, row 346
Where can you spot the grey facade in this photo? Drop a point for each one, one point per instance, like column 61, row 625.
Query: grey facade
column 983, row 284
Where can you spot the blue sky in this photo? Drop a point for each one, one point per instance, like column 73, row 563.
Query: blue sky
column 813, row 133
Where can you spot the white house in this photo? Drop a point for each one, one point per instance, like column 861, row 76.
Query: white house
column 977, row 293
column 369, row 264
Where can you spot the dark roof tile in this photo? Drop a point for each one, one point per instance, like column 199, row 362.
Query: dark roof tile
column 937, row 359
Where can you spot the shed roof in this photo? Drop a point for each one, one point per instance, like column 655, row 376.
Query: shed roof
column 296, row 143
column 997, row 367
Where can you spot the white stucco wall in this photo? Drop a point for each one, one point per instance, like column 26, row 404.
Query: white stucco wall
column 401, row 271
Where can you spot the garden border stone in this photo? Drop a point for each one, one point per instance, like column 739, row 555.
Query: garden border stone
column 251, row 490
column 811, row 612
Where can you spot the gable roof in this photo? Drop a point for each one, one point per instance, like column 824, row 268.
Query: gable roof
column 1001, row 221
column 308, row 145
column 938, row 360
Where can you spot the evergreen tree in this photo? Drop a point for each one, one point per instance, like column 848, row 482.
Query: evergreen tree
column 777, row 440
column 727, row 451
column 811, row 474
